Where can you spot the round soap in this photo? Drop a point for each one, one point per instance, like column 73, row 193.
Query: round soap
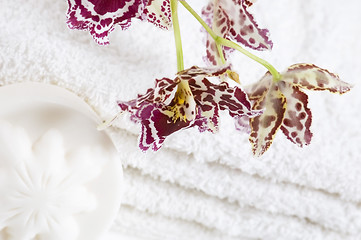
column 60, row 178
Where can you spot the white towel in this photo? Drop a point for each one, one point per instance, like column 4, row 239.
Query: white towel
column 202, row 185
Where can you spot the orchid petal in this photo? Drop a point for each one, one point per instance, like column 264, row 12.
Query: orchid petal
column 235, row 100
column 99, row 17
column 159, row 13
column 211, row 98
column 256, row 93
column 206, row 102
column 311, row 77
column 249, row 2
column 212, row 54
column 212, row 57
column 230, row 19
column 197, row 72
column 233, row 19
column 163, row 93
column 189, row 106
column 241, row 124
column 246, row 31
column 297, row 121
column 156, row 126
column 259, row 89
column 265, row 126
column 164, row 90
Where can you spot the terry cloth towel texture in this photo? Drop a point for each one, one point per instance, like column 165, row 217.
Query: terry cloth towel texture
column 204, row 186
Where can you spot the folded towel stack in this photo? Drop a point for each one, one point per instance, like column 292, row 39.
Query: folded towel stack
column 202, row 185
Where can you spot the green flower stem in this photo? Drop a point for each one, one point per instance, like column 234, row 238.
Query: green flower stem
column 177, row 36
column 220, row 52
column 200, row 20
column 225, row 42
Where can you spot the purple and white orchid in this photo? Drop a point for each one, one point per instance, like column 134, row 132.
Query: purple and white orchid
column 230, row 19
column 189, row 100
column 285, row 104
column 100, row 17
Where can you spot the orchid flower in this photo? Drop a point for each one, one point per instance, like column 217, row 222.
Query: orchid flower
column 230, row 19
column 191, row 100
column 285, row 104
column 187, row 101
column 100, row 17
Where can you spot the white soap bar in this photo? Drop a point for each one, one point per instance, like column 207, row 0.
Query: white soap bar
column 60, row 178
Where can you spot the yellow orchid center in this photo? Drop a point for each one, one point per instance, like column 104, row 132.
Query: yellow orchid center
column 184, row 107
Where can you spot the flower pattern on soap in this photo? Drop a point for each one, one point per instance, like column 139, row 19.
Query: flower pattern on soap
column 42, row 185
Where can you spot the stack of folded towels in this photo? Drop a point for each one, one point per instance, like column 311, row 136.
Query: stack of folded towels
column 203, row 185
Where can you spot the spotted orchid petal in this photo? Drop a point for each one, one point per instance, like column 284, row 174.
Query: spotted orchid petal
column 163, row 93
column 259, row 89
column 241, row 24
column 311, row 77
column 256, row 93
column 230, row 19
column 297, row 121
column 212, row 98
column 100, row 17
column 249, row 2
column 264, row 127
column 213, row 57
column 242, row 124
column 159, row 13
column 197, row 72
column 156, row 126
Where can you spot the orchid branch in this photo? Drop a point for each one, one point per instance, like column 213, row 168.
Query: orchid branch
column 177, row 36
column 220, row 52
column 225, row 42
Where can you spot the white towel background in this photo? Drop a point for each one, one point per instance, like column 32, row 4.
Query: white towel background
column 204, row 186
